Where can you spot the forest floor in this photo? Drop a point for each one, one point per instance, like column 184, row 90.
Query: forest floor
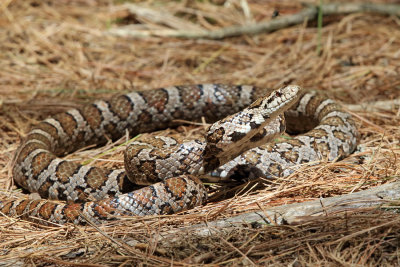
column 56, row 55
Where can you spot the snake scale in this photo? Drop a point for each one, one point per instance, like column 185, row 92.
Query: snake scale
column 234, row 145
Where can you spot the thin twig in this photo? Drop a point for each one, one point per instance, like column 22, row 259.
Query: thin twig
column 309, row 13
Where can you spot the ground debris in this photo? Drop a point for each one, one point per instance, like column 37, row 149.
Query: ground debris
column 55, row 55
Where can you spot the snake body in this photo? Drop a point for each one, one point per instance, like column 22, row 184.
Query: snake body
column 98, row 194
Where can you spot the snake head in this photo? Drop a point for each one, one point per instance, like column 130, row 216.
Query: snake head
column 260, row 122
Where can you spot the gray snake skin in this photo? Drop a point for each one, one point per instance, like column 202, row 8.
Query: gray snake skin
column 234, row 145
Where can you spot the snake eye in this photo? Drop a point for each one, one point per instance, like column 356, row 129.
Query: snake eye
column 278, row 94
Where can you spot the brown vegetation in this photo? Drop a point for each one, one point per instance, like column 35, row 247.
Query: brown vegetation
column 59, row 54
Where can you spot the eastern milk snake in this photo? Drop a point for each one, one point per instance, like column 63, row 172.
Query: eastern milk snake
column 236, row 143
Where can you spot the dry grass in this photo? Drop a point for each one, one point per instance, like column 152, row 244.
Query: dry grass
column 55, row 55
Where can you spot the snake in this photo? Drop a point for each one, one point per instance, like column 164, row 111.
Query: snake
column 161, row 175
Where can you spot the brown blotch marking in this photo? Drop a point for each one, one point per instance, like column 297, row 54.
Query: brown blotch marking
column 44, row 189
column 312, row 105
column 47, row 210
column 177, row 186
column 20, row 208
column 291, row 156
column 26, row 207
column 142, row 173
column 41, row 138
column 34, row 204
column 79, row 141
column 67, row 122
column 72, row 211
column 275, row 169
column 147, row 172
column 65, row 170
column 139, row 173
column 40, row 162
column 335, row 121
column 318, row 133
column 328, row 109
column 269, row 147
column 340, row 135
column 28, row 149
column 96, row 177
column 323, row 149
column 132, row 151
column 155, row 142
column 111, row 129
column 92, row 115
column 252, row 157
column 121, row 106
column 144, row 196
column 294, row 142
column 48, row 128
column 156, row 99
column 145, row 118
column 6, row 209
column 103, row 208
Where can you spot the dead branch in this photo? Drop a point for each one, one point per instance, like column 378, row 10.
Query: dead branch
column 386, row 105
column 309, row 13
column 295, row 213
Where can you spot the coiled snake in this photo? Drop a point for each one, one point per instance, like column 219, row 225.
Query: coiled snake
column 233, row 144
